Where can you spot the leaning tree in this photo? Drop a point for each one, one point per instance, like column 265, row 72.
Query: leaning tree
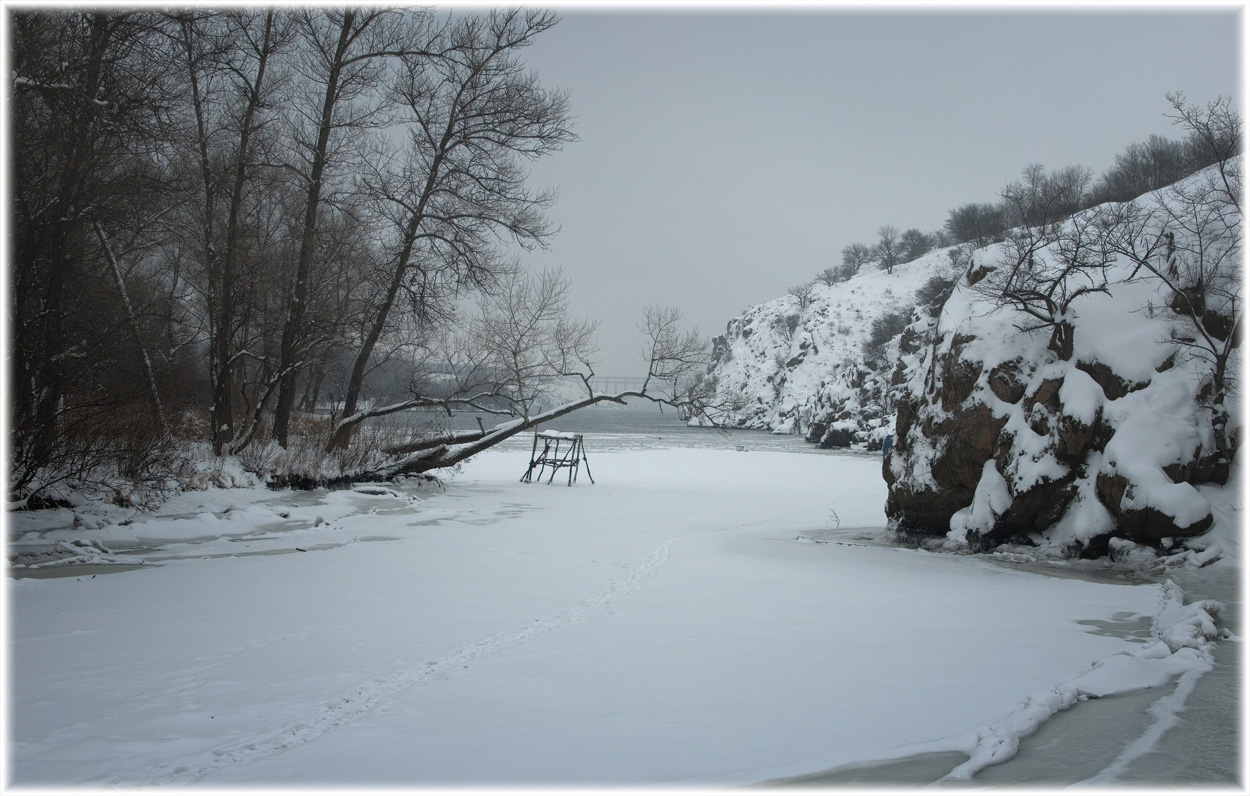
column 455, row 188
column 506, row 357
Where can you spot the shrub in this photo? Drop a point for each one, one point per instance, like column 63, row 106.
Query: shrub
column 884, row 329
column 804, row 294
column 792, row 323
column 831, row 276
column 932, row 295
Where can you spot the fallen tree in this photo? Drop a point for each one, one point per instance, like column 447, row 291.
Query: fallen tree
column 502, row 364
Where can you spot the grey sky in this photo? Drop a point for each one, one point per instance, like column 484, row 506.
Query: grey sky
column 726, row 155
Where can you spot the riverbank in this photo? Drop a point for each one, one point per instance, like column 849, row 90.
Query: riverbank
column 1152, row 738
column 673, row 624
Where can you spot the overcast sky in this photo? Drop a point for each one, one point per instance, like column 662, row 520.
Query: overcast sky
column 726, row 155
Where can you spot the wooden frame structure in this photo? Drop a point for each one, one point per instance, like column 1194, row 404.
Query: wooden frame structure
column 571, row 457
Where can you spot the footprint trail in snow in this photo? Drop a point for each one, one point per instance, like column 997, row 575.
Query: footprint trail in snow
column 344, row 708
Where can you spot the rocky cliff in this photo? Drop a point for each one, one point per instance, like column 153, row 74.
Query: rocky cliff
column 1000, row 438
column 1126, row 429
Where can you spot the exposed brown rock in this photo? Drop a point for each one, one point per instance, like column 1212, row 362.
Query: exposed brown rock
column 1145, row 525
column 925, row 510
column 1039, row 421
column 959, row 376
column 815, row 431
column 1005, row 383
column 899, row 376
column 979, row 273
column 1047, row 395
column 1074, row 438
column 1112, row 385
column 910, row 342
column 970, row 441
column 1189, row 301
column 1212, row 469
column 1037, row 508
column 837, row 438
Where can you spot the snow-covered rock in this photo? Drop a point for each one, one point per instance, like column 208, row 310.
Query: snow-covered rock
column 1000, row 435
column 999, row 438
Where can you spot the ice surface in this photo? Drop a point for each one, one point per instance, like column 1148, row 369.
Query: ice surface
column 661, row 627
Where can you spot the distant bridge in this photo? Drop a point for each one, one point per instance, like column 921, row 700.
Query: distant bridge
column 616, row 384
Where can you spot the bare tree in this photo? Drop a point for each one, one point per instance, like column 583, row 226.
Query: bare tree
column 89, row 117
column 803, row 294
column 675, row 359
column 830, row 276
column 855, row 257
column 522, row 339
column 529, row 339
column 1188, row 238
column 1049, row 263
column 345, row 55
column 979, row 224
column 914, row 244
column 474, row 113
column 1040, row 198
column 227, row 57
column 1143, row 167
column 132, row 321
column 1045, row 270
column 1216, row 131
column 888, row 251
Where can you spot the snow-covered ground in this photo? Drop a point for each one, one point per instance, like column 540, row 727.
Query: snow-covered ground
column 679, row 622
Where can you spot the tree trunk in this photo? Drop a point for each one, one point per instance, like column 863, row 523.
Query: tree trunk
column 225, row 319
column 441, row 453
column 133, row 322
column 343, row 434
column 297, row 304
column 1062, row 340
column 312, row 390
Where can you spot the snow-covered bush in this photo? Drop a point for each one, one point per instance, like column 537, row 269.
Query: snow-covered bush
column 305, row 461
column 933, row 294
column 884, row 328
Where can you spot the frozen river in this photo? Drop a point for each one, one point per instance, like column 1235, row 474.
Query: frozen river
column 696, row 617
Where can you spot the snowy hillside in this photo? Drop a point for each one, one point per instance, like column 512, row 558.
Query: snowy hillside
column 803, row 370
column 1078, row 389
